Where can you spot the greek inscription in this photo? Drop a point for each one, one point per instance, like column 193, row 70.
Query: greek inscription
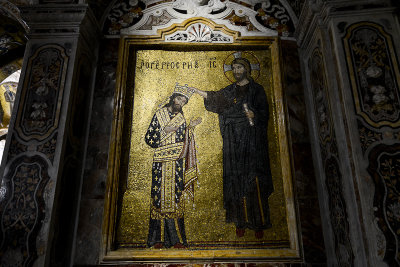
column 166, row 65
column 212, row 64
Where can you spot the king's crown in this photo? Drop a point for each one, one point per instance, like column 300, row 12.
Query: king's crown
column 184, row 90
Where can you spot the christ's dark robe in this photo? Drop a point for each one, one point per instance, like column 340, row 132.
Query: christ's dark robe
column 247, row 181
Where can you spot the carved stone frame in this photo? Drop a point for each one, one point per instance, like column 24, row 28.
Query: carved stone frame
column 110, row 254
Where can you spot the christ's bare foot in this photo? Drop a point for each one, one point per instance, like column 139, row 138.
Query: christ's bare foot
column 179, row 245
column 158, row 245
column 259, row 234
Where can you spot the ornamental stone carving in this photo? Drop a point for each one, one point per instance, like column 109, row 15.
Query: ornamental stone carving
column 22, row 210
column 250, row 18
column 329, row 155
column 42, row 93
column 199, row 33
column 384, row 167
column 374, row 74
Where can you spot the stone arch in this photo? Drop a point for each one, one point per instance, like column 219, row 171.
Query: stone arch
column 250, row 18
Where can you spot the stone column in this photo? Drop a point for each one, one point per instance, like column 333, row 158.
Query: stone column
column 42, row 165
column 352, row 79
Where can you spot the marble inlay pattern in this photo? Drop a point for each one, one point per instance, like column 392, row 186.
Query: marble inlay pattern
column 374, row 73
column 42, row 93
column 23, row 211
column 384, row 167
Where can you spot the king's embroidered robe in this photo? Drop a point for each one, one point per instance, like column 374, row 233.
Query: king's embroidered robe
column 170, row 176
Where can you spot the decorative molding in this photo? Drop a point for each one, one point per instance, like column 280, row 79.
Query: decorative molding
column 250, row 18
column 329, row 155
column 183, row 28
column 54, row 20
column 322, row 108
column 374, row 74
column 42, row 93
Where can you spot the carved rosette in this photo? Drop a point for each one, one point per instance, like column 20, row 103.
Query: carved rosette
column 384, row 167
column 329, row 155
column 42, row 93
column 374, row 74
column 22, row 211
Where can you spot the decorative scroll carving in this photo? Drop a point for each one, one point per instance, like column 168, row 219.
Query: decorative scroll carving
column 22, row 211
column 384, row 167
column 329, row 154
column 42, row 93
column 123, row 14
column 373, row 70
column 199, row 33
column 272, row 14
column 202, row 6
column 155, row 20
column 266, row 18
column 243, row 21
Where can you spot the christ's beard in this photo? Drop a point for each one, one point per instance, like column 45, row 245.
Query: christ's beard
column 239, row 76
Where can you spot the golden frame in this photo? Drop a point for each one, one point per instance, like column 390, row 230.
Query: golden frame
column 109, row 253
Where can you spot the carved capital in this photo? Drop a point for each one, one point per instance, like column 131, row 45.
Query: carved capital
column 61, row 19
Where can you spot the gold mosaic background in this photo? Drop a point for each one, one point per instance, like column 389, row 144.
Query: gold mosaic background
column 205, row 218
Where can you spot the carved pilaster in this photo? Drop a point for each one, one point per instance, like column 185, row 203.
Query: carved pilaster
column 42, row 164
column 361, row 65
